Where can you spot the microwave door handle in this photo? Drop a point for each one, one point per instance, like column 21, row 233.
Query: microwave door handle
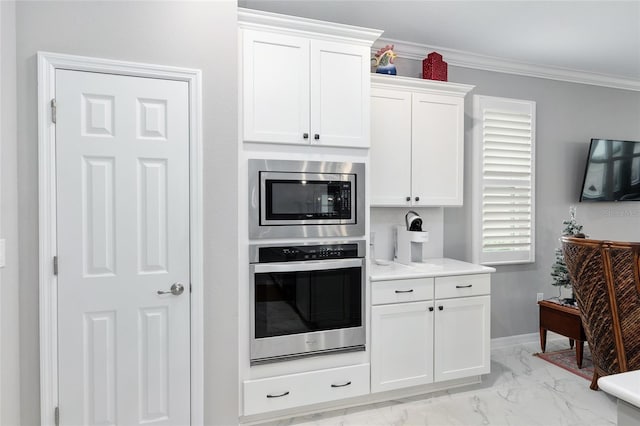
column 307, row 266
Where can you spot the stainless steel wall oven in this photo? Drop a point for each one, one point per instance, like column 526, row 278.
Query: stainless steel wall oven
column 306, row 299
column 305, row 199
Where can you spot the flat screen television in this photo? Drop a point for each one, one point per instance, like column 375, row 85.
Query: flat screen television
column 612, row 172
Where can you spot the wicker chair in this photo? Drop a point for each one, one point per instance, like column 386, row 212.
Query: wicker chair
column 605, row 276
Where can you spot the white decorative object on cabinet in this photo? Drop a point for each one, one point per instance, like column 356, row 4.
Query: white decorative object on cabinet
column 430, row 331
column 304, row 81
column 402, row 334
column 417, row 142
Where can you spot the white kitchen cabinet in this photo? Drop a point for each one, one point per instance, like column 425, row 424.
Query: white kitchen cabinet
column 305, row 87
column 461, row 337
column 294, row 390
column 402, row 345
column 462, row 332
column 275, row 87
column 417, row 142
column 402, row 334
column 426, row 330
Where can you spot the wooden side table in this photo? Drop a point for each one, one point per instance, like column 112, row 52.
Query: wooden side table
column 564, row 320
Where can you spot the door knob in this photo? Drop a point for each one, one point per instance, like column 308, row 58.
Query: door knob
column 176, row 289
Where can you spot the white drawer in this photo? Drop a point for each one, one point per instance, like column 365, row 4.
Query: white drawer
column 463, row 285
column 294, row 390
column 399, row 291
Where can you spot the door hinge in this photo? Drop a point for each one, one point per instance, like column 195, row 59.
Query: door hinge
column 53, row 110
column 55, row 265
column 56, row 415
column 190, row 289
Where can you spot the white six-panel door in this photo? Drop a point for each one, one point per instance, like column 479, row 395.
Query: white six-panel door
column 122, row 161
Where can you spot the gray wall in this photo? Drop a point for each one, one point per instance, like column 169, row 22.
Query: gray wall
column 9, row 284
column 568, row 116
column 200, row 35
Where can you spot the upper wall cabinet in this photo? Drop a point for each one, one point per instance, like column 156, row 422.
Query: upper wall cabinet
column 417, row 142
column 304, row 81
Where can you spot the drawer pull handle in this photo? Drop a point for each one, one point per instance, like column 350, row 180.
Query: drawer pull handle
column 341, row 385
column 404, row 291
column 464, row 286
column 278, row 396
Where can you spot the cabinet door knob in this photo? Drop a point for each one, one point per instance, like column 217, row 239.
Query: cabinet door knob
column 417, row 198
column 408, row 198
column 305, row 135
column 430, row 308
column 440, row 308
column 316, row 136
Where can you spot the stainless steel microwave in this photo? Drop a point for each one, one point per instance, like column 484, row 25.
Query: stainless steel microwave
column 305, row 199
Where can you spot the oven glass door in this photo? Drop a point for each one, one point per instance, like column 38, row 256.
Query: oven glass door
column 296, row 302
column 307, row 198
column 306, row 301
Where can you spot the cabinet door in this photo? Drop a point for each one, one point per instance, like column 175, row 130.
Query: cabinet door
column 275, row 88
column 340, row 87
column 462, row 337
column 390, row 154
column 401, row 345
column 438, row 150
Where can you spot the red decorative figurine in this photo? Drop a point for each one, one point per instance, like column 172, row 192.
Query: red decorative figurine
column 434, row 68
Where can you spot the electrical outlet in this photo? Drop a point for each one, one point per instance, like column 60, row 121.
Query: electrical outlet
column 539, row 297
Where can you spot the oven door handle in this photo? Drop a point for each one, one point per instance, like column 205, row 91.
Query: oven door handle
column 320, row 265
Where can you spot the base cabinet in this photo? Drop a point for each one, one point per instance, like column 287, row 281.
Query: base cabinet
column 445, row 337
column 295, row 390
column 402, row 347
column 461, row 336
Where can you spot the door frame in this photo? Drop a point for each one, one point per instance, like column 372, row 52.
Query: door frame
column 48, row 63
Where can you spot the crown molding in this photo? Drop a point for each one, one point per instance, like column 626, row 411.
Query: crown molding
column 464, row 59
column 260, row 20
column 396, row 82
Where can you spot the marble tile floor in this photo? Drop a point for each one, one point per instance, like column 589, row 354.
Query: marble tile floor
column 522, row 390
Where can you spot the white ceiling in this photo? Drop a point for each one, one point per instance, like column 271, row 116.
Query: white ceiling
column 599, row 37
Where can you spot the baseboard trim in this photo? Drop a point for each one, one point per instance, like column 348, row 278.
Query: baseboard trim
column 519, row 339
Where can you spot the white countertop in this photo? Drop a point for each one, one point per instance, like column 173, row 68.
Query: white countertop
column 624, row 386
column 437, row 267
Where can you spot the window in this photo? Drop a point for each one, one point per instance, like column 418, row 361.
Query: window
column 503, row 198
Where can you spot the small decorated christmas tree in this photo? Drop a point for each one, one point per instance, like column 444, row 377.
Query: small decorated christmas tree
column 559, row 271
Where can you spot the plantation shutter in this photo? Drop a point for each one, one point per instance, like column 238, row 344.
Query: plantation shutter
column 503, row 181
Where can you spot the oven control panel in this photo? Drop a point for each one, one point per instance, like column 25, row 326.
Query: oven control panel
column 308, row 252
